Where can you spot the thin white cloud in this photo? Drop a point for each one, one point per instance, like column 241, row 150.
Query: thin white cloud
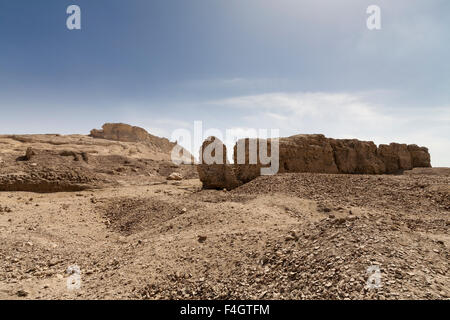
column 283, row 106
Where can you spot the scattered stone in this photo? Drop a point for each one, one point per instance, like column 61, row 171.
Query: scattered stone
column 175, row 176
column 85, row 157
column 292, row 236
column 5, row 209
column 22, row 293
column 29, row 154
column 324, row 209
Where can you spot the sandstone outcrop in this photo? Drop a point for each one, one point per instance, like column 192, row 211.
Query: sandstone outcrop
column 309, row 153
column 126, row 133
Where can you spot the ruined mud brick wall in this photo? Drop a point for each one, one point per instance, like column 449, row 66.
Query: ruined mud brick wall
column 216, row 175
column 313, row 153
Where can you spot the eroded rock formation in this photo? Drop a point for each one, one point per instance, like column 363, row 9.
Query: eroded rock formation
column 308, row 153
column 126, row 133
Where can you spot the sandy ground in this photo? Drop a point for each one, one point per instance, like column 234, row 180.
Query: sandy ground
column 292, row 236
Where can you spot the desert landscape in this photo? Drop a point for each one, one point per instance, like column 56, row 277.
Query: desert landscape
column 138, row 226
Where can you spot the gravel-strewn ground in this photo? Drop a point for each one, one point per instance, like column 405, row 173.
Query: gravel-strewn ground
column 290, row 236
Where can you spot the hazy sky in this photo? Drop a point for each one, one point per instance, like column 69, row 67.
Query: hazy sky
column 303, row 66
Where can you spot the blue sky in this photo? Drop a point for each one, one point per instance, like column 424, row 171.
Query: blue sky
column 303, row 66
